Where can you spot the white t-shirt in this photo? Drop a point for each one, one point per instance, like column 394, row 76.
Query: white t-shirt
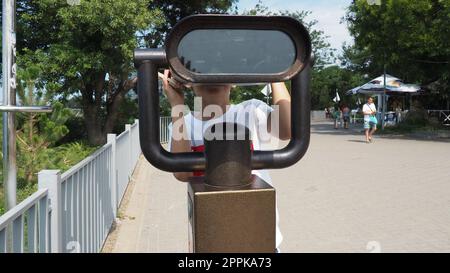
column 251, row 113
column 368, row 108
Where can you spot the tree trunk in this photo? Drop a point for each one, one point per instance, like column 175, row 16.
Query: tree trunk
column 92, row 117
column 93, row 125
column 113, row 113
column 115, row 102
column 97, row 127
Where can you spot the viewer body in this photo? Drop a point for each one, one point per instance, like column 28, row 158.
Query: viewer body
column 187, row 127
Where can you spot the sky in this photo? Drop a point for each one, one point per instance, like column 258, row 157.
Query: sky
column 328, row 13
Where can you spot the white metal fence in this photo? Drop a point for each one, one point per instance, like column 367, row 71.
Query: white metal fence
column 74, row 211
column 26, row 228
column 164, row 129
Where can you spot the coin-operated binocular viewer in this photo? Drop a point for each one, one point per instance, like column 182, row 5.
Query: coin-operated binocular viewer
column 230, row 210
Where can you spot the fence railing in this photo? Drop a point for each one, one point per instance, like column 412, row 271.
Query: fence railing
column 26, row 227
column 442, row 115
column 74, row 211
column 164, row 129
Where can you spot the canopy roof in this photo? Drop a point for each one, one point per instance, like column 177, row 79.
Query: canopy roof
column 393, row 85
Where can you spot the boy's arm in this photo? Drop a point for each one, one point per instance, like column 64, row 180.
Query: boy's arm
column 179, row 142
column 282, row 98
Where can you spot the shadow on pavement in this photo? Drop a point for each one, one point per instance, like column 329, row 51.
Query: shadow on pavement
column 358, row 141
column 327, row 128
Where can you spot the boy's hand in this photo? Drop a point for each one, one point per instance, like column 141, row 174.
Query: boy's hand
column 172, row 89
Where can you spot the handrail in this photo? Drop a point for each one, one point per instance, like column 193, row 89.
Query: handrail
column 21, row 208
column 74, row 211
column 84, row 162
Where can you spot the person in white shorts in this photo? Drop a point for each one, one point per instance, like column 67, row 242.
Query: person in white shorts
column 370, row 119
column 187, row 128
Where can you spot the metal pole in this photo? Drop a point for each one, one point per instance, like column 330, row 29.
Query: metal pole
column 9, row 99
column 383, row 109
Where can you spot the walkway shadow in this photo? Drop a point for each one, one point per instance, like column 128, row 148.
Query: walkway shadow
column 327, row 128
column 358, row 141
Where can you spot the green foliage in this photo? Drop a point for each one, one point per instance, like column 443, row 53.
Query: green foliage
column 174, row 10
column 61, row 158
column 67, row 155
column 417, row 115
column 75, row 126
column 127, row 113
column 92, row 41
column 86, row 51
column 411, row 37
column 243, row 93
column 327, row 81
column 36, row 132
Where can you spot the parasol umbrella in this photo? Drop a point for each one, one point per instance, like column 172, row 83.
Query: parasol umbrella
column 393, row 86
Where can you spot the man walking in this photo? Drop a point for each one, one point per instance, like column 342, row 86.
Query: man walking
column 370, row 119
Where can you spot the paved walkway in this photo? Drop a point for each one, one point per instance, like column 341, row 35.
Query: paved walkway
column 344, row 196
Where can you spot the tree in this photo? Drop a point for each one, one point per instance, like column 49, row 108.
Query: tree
column 411, row 38
column 87, row 53
column 328, row 81
column 36, row 131
column 323, row 53
column 175, row 10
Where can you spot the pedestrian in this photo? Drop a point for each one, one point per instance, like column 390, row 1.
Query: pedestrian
column 346, row 115
column 337, row 115
column 370, row 119
column 327, row 113
column 331, row 112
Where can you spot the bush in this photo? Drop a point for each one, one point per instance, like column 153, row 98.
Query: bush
column 417, row 116
column 67, row 155
column 77, row 130
column 61, row 157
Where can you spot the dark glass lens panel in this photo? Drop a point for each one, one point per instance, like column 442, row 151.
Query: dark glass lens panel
column 236, row 51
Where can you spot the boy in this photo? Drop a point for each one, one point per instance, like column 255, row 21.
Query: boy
column 186, row 131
